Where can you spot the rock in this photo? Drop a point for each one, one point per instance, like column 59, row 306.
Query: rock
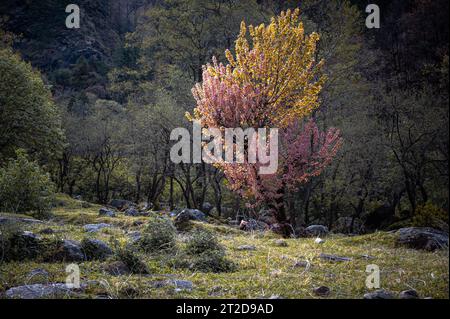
column 319, row 240
column 116, row 268
column 207, row 207
column 134, row 212
column 349, row 225
column 246, row 247
column 194, row 214
column 95, row 249
column 183, row 284
column 92, row 228
column 422, row 238
column 316, row 230
column 134, row 236
column 409, row 294
column 68, row 250
column 13, row 219
column 180, row 285
column 321, row 291
column 275, row 297
column 121, row 204
column 106, row 212
column 379, row 294
column 334, row 257
column 280, row 243
column 36, row 291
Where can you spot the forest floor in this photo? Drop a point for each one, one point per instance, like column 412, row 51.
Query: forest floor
column 267, row 271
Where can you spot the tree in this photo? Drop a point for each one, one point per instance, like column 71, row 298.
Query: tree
column 29, row 118
column 274, row 83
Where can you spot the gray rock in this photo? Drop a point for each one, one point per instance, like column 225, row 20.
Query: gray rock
column 276, row 297
column 106, row 212
column 280, row 243
column 36, row 291
column 134, row 236
column 316, row 230
column 95, row 249
column 409, row 294
column 379, row 294
column 207, row 207
column 333, row 257
column 131, row 212
column 246, row 247
column 92, row 228
column 182, row 284
column 193, row 214
column 13, row 219
column 422, row 238
column 321, row 291
column 70, row 250
column 301, row 264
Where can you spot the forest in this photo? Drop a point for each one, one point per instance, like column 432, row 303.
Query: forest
column 86, row 122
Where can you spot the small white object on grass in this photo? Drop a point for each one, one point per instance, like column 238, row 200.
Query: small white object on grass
column 319, row 240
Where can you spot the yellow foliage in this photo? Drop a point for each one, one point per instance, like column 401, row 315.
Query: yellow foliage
column 280, row 63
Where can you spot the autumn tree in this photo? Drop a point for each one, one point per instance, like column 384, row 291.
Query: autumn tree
column 272, row 82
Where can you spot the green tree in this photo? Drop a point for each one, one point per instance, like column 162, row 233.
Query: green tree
column 28, row 117
column 24, row 187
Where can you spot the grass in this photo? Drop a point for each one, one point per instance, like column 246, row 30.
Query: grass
column 268, row 270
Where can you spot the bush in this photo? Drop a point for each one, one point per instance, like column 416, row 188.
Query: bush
column 132, row 260
column 206, row 254
column 429, row 215
column 24, row 187
column 203, row 241
column 159, row 235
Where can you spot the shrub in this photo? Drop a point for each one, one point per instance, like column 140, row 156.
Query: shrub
column 24, row 187
column 131, row 260
column 206, row 254
column 203, row 241
column 429, row 215
column 159, row 235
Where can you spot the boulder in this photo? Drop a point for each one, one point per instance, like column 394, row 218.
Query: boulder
column 379, row 294
column 182, row 222
column 13, row 219
column 36, row 291
column 92, row 228
column 409, row 294
column 246, row 247
column 349, row 225
column 106, row 212
column 207, row 207
column 95, row 249
column 316, row 230
column 193, row 214
column 68, row 250
column 134, row 212
column 422, row 238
